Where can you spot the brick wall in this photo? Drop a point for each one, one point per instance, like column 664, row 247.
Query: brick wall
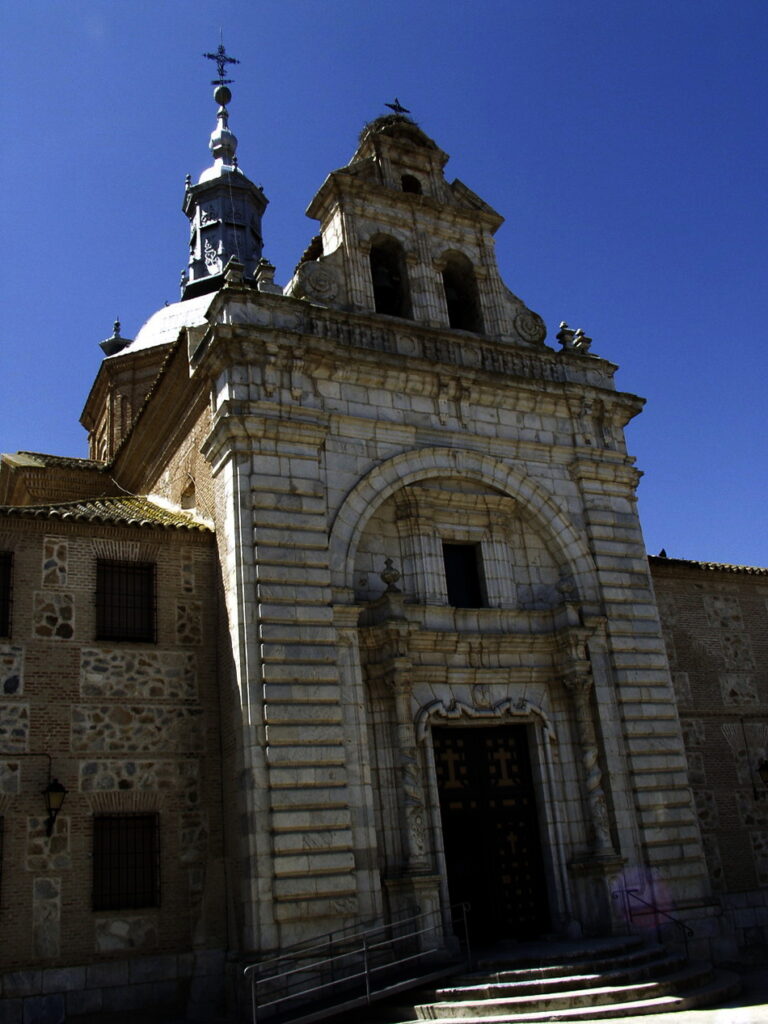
column 715, row 622
column 129, row 727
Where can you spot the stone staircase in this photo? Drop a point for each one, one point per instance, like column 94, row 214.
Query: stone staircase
column 587, row 981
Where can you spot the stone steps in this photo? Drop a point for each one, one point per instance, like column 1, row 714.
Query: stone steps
column 568, row 982
column 520, row 983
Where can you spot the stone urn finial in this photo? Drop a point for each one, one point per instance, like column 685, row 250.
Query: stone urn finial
column 390, row 576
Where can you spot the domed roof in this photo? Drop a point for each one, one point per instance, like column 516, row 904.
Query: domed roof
column 164, row 325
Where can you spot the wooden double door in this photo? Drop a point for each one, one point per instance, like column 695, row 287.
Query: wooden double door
column 490, row 830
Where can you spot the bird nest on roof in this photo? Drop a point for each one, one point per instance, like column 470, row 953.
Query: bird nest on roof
column 397, row 126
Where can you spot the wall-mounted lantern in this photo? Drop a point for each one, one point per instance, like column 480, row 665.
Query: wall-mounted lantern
column 54, row 795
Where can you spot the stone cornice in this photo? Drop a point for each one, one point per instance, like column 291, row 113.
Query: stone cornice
column 239, row 426
column 342, row 185
column 328, row 333
column 586, row 470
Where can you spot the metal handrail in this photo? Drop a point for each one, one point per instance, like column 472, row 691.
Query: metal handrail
column 657, row 912
column 323, row 939
column 363, row 956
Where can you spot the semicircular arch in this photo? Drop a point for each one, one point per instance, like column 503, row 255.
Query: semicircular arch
column 429, row 463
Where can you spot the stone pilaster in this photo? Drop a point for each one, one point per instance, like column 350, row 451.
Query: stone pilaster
column 285, row 646
column 579, row 685
column 412, row 802
column 669, row 836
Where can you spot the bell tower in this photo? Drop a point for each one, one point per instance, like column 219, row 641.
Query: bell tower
column 397, row 238
column 224, row 207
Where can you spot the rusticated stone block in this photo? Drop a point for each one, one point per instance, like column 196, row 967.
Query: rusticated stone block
column 208, row 961
column 107, row 975
column 107, row 776
column 737, row 651
column 164, row 675
column 136, row 728
column 11, row 1011
column 9, row 777
column 738, row 688
column 723, row 611
column 189, row 622
column 760, row 852
column 44, row 852
column 86, row 1000
column 157, row 995
column 44, row 1009
column 23, row 983
column 55, row 554
column 11, row 670
column 53, row 615
column 63, row 979
column 124, row 933
column 14, row 727
column 46, row 916
column 153, row 968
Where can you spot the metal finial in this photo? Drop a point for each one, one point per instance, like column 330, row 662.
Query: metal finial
column 397, row 107
column 116, row 328
column 222, row 59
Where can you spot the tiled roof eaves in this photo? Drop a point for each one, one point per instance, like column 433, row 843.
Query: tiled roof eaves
column 685, row 563
column 128, row 511
column 70, row 462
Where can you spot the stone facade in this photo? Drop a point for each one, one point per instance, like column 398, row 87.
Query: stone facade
column 346, row 438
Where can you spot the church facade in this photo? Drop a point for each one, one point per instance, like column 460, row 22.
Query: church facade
column 348, row 616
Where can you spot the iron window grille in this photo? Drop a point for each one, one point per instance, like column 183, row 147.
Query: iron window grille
column 126, row 861
column 6, row 570
column 125, row 601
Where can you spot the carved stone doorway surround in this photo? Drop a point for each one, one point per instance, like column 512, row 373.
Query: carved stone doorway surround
column 513, row 711
column 579, row 880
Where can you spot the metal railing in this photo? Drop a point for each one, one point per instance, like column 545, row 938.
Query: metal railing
column 343, row 970
column 656, row 912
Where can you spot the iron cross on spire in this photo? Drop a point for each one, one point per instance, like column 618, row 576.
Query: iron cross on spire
column 222, row 59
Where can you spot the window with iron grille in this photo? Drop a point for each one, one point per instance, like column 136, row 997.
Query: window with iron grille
column 125, row 601
column 6, row 566
column 126, row 868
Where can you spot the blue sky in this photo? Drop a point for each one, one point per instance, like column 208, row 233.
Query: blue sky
column 624, row 143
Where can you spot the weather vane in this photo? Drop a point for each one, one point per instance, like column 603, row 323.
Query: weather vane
column 397, row 107
column 222, row 59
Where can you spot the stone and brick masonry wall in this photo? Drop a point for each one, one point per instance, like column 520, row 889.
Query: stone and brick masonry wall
column 715, row 624
column 129, row 728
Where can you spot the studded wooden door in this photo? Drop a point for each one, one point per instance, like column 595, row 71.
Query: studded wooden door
column 490, row 829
